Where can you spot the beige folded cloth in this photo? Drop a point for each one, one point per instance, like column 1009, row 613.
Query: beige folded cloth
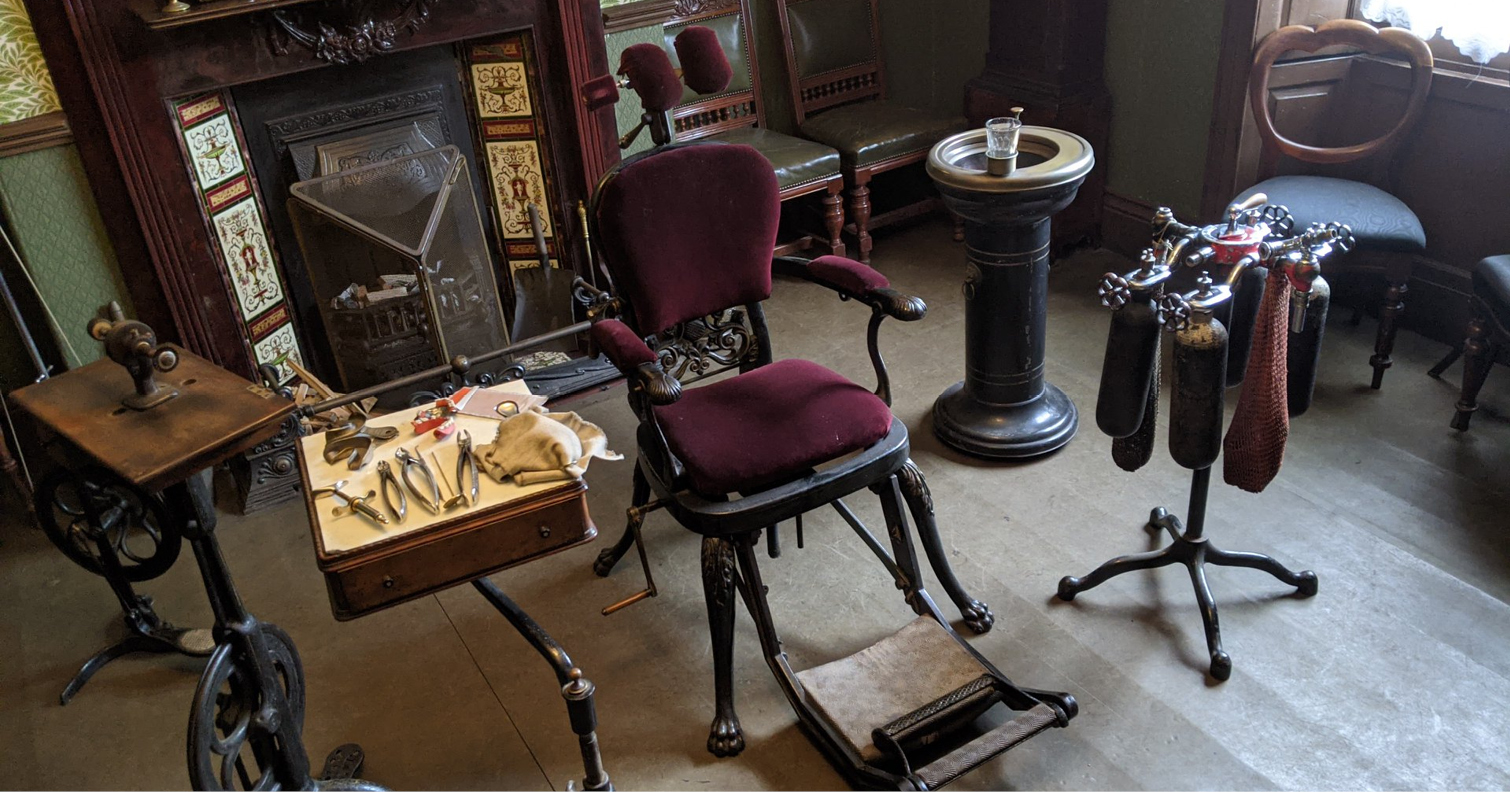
column 535, row 446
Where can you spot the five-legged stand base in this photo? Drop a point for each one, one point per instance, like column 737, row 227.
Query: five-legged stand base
column 1194, row 552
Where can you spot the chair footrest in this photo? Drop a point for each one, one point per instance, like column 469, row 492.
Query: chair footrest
column 908, row 685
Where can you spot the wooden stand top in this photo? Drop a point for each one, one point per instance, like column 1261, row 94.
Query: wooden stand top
column 215, row 416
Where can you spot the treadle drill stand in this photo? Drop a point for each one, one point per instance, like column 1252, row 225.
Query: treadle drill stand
column 1204, row 361
column 153, row 450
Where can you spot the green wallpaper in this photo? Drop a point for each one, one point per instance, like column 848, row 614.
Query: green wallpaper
column 25, row 87
column 1161, row 67
column 52, row 217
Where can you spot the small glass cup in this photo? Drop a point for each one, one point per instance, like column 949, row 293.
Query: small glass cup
column 1001, row 144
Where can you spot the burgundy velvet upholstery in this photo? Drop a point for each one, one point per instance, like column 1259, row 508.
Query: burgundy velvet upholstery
column 705, row 66
column 752, row 430
column 652, row 76
column 847, row 274
column 689, row 231
column 621, row 345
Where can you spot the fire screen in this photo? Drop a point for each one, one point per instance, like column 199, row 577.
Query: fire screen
column 400, row 266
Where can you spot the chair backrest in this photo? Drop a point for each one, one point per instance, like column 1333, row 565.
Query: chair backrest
column 833, row 53
column 1347, row 33
column 737, row 106
column 688, row 230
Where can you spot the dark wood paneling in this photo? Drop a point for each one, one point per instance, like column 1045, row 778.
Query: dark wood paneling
column 114, row 75
column 644, row 13
column 38, row 132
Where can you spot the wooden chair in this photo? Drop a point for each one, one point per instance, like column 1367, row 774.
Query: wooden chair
column 1488, row 333
column 1388, row 233
column 838, row 87
column 803, row 167
column 687, row 231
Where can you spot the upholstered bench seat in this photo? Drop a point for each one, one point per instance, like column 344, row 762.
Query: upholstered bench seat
column 797, row 161
column 1380, row 221
column 870, row 132
column 1491, row 283
column 765, row 425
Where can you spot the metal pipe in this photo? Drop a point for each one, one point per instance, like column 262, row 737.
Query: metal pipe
column 459, row 365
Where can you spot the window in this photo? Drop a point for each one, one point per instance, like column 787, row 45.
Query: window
column 1464, row 35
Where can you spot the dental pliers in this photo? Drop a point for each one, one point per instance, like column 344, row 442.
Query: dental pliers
column 411, row 462
column 466, row 466
column 388, row 482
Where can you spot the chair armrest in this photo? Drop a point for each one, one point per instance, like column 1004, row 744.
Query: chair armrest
column 855, row 281
column 636, row 361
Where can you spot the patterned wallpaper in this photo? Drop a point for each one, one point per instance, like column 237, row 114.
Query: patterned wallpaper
column 25, row 86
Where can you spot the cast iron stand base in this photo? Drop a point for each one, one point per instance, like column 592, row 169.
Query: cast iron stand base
column 1005, row 431
column 150, row 635
column 1193, row 550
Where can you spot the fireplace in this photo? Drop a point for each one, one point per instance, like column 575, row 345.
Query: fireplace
column 195, row 126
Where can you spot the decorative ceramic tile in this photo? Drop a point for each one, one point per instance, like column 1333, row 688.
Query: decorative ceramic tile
column 518, row 181
column 26, row 88
column 519, row 264
column 502, row 90
column 213, row 146
column 243, row 242
column 213, row 150
column 279, row 348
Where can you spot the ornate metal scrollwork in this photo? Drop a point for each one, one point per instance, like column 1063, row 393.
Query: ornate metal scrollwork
column 701, row 346
column 347, row 31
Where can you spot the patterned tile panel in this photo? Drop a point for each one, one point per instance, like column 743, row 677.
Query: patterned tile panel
column 510, row 124
column 218, row 161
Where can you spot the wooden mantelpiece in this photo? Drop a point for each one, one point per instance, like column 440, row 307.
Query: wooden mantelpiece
column 115, row 75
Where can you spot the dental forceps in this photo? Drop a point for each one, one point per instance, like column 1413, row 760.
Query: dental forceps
column 411, row 462
column 388, row 482
column 466, row 464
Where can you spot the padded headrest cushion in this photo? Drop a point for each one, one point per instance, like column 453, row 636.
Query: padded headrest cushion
column 705, row 66
column 652, row 76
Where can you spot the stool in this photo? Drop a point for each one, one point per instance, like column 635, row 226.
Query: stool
column 1488, row 329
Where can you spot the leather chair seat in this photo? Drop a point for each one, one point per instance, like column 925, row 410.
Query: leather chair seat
column 798, row 162
column 870, row 132
column 1491, row 283
column 1380, row 221
column 755, row 429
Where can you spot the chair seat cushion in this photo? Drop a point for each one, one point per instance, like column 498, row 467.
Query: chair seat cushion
column 870, row 132
column 1380, row 221
column 1491, row 283
column 798, row 162
column 744, row 433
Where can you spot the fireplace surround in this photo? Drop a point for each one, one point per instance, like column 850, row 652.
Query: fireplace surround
column 202, row 237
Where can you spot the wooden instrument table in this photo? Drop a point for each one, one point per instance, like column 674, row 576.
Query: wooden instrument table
column 369, row 566
column 251, row 695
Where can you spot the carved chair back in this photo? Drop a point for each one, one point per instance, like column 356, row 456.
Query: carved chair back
column 687, row 232
column 1338, row 33
column 833, row 53
column 739, row 105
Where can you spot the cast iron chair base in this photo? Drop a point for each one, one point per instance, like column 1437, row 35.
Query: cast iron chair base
column 159, row 638
column 1195, row 551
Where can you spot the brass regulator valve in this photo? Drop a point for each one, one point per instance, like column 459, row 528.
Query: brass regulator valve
column 133, row 344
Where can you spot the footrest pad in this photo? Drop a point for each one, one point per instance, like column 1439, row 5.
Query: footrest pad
column 887, row 680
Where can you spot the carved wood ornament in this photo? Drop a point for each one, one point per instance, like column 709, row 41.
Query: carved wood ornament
column 348, row 31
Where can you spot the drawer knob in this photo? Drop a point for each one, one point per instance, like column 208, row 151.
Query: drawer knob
column 387, row 581
column 545, row 532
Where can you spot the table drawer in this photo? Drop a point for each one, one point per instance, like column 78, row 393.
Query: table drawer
column 439, row 560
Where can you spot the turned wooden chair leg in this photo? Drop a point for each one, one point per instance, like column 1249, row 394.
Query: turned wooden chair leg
column 859, row 211
column 1478, row 357
column 833, row 217
column 1390, row 312
column 725, row 738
